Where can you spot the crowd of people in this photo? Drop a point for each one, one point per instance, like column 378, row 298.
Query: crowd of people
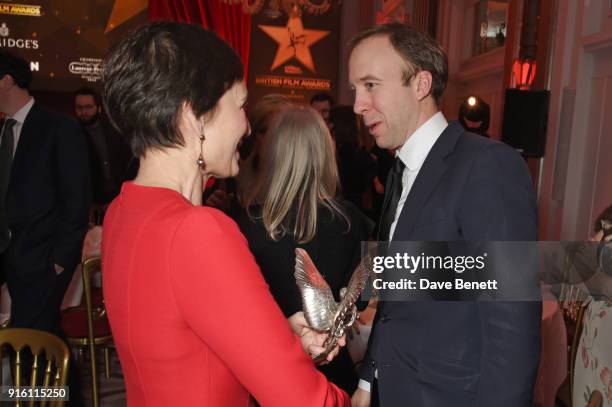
column 214, row 266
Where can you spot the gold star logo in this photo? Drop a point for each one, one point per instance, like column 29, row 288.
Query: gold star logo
column 123, row 10
column 294, row 41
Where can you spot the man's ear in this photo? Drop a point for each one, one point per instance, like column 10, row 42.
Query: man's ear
column 423, row 83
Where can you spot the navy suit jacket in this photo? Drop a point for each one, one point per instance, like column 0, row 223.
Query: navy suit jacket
column 47, row 207
column 459, row 354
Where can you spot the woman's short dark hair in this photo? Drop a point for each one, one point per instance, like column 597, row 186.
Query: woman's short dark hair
column 151, row 73
column 417, row 48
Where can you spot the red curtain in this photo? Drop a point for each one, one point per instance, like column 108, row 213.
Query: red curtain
column 232, row 25
column 192, row 11
column 228, row 21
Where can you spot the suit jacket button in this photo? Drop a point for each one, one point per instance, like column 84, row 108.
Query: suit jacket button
column 373, row 364
column 384, row 318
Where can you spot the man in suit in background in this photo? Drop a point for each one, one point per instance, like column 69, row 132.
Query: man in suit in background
column 111, row 160
column 322, row 102
column 446, row 185
column 44, row 187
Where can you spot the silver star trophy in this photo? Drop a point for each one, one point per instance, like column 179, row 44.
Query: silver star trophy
column 322, row 312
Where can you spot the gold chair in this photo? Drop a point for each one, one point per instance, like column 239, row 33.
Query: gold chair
column 577, row 316
column 573, row 302
column 88, row 327
column 56, row 352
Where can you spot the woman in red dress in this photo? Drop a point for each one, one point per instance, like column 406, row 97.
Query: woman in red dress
column 193, row 320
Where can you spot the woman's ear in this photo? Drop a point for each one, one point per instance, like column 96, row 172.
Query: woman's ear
column 189, row 124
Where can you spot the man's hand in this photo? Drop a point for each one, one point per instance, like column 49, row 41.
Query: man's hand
column 58, row 269
column 361, row 398
column 358, row 322
column 312, row 341
column 365, row 317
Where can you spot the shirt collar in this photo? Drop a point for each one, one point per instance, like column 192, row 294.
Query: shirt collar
column 22, row 113
column 417, row 147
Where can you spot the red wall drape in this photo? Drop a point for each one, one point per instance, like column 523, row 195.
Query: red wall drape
column 228, row 21
column 192, row 11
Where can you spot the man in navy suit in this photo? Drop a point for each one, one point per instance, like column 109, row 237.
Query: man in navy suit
column 452, row 186
column 44, row 202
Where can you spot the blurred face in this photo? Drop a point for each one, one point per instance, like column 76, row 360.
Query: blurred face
column 389, row 109
column 86, row 110
column 224, row 133
column 323, row 107
column 6, row 84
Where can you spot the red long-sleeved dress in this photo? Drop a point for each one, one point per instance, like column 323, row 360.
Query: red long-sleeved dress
column 192, row 318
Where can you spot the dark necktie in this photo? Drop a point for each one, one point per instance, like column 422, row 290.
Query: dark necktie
column 6, row 158
column 392, row 197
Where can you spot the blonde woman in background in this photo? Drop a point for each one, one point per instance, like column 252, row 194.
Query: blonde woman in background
column 294, row 204
column 259, row 117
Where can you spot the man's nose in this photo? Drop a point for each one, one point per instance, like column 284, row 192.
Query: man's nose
column 362, row 102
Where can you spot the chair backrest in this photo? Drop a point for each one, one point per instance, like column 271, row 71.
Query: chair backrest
column 572, row 303
column 573, row 293
column 578, row 319
column 54, row 374
column 90, row 267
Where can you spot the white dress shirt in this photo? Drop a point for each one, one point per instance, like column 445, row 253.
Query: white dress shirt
column 413, row 154
column 19, row 117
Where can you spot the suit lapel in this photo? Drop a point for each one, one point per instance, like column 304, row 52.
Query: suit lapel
column 427, row 180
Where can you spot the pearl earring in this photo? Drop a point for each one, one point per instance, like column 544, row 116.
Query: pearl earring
column 201, row 158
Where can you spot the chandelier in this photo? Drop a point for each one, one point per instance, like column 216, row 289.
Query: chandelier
column 276, row 8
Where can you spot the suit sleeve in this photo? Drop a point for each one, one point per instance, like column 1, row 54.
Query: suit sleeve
column 360, row 230
column 222, row 295
column 73, row 192
column 499, row 205
column 367, row 369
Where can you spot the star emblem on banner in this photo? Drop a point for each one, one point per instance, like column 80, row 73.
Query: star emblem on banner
column 123, row 10
column 294, row 41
